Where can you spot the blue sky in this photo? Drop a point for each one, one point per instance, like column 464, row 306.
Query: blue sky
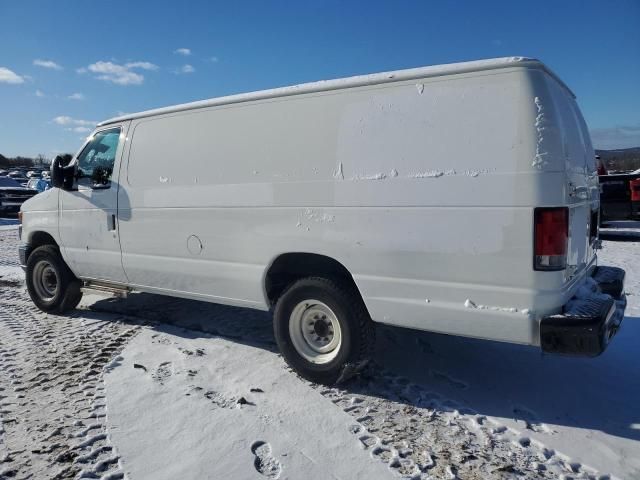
column 67, row 64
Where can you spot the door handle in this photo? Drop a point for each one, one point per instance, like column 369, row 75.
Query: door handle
column 111, row 222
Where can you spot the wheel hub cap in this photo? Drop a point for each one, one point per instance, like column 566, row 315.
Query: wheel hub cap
column 45, row 280
column 315, row 331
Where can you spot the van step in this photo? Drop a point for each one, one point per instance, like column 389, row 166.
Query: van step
column 610, row 280
column 118, row 291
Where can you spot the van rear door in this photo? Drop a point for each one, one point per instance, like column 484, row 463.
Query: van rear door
column 581, row 182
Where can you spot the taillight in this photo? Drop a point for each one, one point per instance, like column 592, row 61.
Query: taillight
column 551, row 233
column 634, row 186
column 602, row 170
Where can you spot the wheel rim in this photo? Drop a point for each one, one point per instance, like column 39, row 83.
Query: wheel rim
column 45, row 280
column 315, row 331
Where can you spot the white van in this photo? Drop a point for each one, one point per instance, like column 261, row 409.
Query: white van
column 460, row 199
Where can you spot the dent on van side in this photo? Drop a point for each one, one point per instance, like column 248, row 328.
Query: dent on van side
column 459, row 199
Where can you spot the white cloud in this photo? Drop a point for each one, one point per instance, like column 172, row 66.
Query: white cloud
column 185, row 52
column 626, row 136
column 76, row 96
column 185, row 69
column 119, row 74
column 212, row 59
column 65, row 121
column 9, row 76
column 47, row 64
column 142, row 65
column 40, row 93
column 79, row 129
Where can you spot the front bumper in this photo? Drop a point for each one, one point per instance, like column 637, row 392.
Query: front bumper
column 586, row 326
column 23, row 253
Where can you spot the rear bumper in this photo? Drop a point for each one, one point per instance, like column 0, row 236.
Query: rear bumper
column 587, row 325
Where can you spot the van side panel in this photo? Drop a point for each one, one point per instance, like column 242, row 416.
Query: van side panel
column 581, row 187
column 423, row 190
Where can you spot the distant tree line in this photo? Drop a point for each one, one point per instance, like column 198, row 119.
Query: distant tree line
column 624, row 160
column 40, row 161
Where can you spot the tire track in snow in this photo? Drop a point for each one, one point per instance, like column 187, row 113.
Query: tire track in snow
column 52, row 400
column 422, row 435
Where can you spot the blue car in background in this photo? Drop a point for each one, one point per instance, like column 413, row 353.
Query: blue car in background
column 39, row 184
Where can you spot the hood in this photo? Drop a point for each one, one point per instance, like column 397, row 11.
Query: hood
column 46, row 201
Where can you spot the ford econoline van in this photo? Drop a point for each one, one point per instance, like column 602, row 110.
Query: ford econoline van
column 461, row 199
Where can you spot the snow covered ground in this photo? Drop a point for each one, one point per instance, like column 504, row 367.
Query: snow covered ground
column 152, row 387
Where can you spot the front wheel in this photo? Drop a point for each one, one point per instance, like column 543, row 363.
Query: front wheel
column 323, row 329
column 51, row 284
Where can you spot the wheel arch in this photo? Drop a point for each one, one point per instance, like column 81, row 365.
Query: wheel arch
column 34, row 240
column 38, row 238
column 291, row 266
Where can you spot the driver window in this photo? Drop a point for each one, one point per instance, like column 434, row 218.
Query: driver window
column 95, row 163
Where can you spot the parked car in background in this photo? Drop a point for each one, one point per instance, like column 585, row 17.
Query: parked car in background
column 12, row 196
column 620, row 196
column 459, row 199
column 19, row 177
column 39, row 184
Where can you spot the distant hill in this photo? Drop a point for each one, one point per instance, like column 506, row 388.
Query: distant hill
column 624, row 159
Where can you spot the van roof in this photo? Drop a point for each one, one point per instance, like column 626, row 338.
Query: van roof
column 357, row 81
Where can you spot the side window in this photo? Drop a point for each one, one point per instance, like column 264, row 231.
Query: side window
column 95, row 163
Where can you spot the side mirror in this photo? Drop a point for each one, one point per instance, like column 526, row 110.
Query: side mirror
column 62, row 173
column 57, row 172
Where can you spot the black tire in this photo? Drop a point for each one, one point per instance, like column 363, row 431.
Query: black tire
column 67, row 293
column 357, row 329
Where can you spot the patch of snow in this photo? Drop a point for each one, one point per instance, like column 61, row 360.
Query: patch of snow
column 585, row 295
column 11, row 276
column 374, row 176
column 313, row 216
column 539, row 161
column 207, row 431
column 470, row 304
column 433, row 173
column 338, row 173
column 475, row 173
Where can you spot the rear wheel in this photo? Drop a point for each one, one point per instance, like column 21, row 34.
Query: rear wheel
column 51, row 284
column 323, row 329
